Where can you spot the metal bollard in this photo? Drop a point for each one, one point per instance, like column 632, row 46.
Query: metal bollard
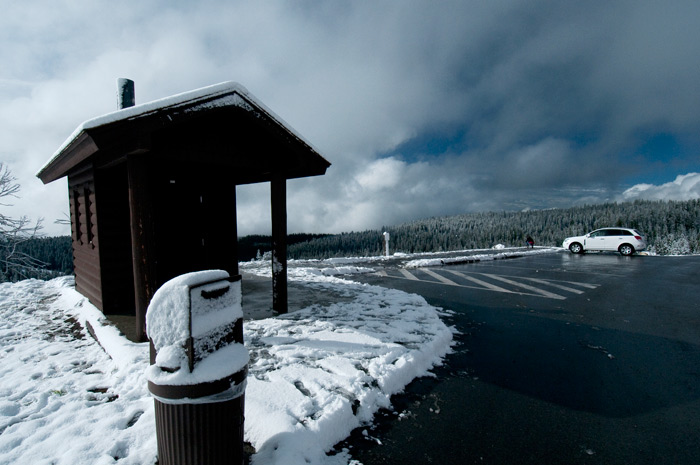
column 198, row 375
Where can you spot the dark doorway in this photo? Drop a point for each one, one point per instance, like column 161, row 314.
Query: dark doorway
column 115, row 241
column 196, row 221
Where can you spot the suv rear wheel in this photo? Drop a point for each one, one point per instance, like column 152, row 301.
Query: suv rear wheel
column 626, row 249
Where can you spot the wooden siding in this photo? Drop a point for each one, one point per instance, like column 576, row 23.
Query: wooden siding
column 83, row 212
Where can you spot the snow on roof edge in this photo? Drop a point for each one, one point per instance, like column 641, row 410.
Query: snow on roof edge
column 180, row 99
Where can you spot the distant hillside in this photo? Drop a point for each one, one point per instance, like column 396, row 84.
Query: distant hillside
column 670, row 227
column 54, row 253
column 250, row 247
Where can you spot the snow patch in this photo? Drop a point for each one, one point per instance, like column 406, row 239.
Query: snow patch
column 315, row 374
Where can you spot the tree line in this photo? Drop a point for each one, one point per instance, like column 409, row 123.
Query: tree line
column 255, row 245
column 671, row 227
column 35, row 257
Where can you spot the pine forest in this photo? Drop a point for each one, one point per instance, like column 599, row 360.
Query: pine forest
column 670, row 227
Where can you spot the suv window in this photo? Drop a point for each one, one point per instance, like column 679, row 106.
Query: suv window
column 618, row 232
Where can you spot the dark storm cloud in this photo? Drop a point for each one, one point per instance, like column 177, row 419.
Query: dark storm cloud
column 424, row 108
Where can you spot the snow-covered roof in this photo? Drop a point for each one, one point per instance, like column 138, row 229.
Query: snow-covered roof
column 80, row 144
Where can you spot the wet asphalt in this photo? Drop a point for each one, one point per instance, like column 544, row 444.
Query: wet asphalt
column 559, row 359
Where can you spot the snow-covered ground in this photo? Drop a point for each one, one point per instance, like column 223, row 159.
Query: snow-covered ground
column 314, row 374
column 478, row 256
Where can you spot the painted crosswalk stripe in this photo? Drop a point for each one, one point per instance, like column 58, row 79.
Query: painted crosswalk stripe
column 407, row 274
column 551, row 295
column 478, row 281
column 586, row 285
column 558, row 286
column 568, row 286
column 439, row 277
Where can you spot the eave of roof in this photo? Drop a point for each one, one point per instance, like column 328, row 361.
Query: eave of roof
column 80, row 145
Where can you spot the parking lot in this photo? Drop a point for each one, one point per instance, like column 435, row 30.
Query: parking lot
column 559, row 358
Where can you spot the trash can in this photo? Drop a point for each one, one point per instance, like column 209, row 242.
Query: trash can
column 199, row 368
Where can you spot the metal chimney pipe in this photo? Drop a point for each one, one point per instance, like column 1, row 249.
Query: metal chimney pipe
column 126, row 96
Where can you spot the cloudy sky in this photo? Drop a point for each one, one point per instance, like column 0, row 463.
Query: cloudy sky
column 423, row 108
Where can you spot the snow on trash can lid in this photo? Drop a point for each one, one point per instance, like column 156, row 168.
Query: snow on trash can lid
column 168, row 315
column 192, row 322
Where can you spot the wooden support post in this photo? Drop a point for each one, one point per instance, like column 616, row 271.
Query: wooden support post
column 233, row 270
column 278, row 194
column 142, row 240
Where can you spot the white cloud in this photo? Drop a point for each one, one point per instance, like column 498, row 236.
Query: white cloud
column 684, row 187
column 381, row 174
column 548, row 99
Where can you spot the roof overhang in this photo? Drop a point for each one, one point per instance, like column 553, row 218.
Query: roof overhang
column 218, row 125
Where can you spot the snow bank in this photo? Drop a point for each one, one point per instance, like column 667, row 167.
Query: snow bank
column 62, row 399
column 314, row 374
column 338, row 364
column 420, row 263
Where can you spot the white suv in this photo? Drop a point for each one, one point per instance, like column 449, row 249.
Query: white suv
column 624, row 240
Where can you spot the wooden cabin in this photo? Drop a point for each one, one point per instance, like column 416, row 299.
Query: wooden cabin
column 153, row 191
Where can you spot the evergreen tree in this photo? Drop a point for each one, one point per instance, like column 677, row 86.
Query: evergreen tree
column 669, row 222
column 670, row 227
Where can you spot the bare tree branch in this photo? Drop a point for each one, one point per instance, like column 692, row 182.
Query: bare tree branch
column 14, row 231
column 8, row 186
